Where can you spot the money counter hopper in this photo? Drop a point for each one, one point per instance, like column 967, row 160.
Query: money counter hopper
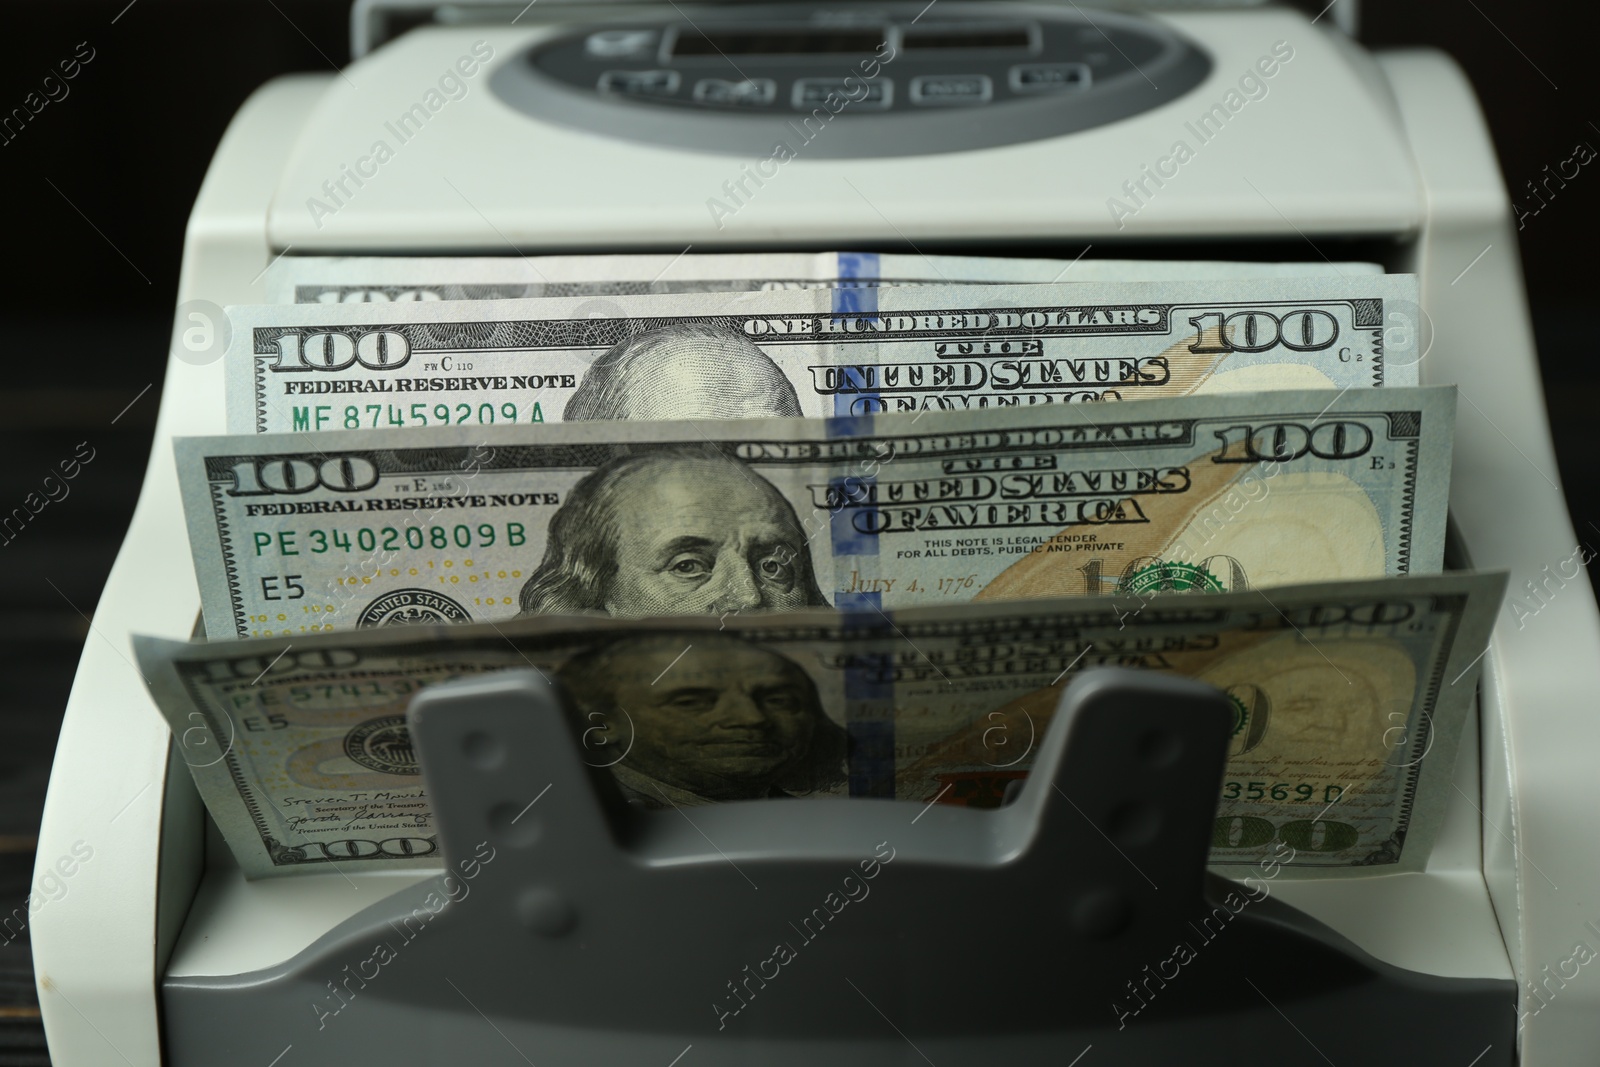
column 1036, row 129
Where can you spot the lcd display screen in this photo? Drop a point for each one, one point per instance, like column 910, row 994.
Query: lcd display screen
column 1016, row 37
column 777, row 42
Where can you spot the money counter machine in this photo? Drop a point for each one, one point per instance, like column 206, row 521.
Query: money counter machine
column 1003, row 128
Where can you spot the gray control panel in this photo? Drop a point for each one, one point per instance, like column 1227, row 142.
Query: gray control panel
column 895, row 79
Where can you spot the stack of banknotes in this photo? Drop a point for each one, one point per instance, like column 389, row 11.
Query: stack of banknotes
column 821, row 526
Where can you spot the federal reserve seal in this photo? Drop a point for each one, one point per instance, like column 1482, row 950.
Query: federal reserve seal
column 1172, row 578
column 406, row 607
column 383, row 744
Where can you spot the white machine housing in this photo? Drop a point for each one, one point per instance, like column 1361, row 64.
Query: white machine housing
column 1345, row 155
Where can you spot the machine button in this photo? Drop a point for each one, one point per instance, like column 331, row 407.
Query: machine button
column 752, row 92
column 938, row 90
column 812, row 93
column 1046, row 77
column 620, row 43
column 639, row 82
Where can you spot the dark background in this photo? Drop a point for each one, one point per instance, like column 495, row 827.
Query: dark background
column 98, row 186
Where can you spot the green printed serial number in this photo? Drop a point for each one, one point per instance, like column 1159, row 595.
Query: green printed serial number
column 1288, row 791
column 331, row 695
column 315, row 697
column 313, row 417
column 390, row 538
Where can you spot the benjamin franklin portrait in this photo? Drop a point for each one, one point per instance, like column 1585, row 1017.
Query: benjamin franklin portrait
column 684, row 371
column 713, row 720
column 677, row 531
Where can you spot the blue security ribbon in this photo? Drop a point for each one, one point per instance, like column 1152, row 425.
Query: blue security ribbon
column 871, row 763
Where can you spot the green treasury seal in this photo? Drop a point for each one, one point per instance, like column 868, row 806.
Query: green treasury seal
column 1161, row 577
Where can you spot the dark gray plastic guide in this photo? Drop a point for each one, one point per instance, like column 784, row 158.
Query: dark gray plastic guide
column 572, row 929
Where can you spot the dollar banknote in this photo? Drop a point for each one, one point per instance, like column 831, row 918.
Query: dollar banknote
column 387, row 279
column 296, row 534
column 817, row 352
column 1349, row 699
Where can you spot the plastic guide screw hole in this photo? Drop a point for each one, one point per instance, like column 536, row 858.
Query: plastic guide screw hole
column 545, row 911
column 482, row 750
column 1100, row 913
column 514, row 824
column 1135, row 823
column 1160, row 748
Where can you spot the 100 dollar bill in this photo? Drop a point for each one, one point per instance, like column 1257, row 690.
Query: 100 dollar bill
column 1349, row 699
column 296, row 534
column 387, row 279
column 836, row 352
